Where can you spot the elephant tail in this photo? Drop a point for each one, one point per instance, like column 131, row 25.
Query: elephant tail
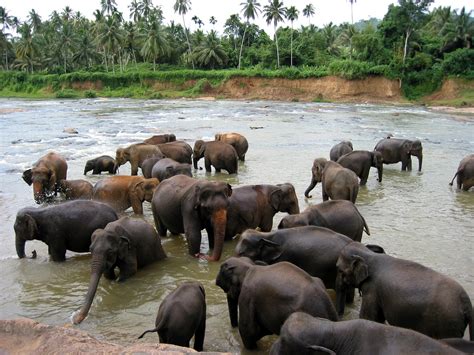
column 454, row 177
column 149, row 331
column 471, row 326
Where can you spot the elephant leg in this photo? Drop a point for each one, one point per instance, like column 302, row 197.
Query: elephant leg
column 242, row 158
column 134, row 169
column 364, row 176
column 160, row 227
column 199, row 335
column 110, row 273
column 350, row 293
column 325, row 195
column 459, row 182
column 127, row 268
column 266, row 224
column 249, row 329
column 96, row 171
column 370, row 310
column 210, row 236
column 58, row 252
column 207, row 165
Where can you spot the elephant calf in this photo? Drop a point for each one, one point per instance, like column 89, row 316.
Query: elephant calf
column 181, row 315
column 465, row 173
column 147, row 166
column 238, row 141
column 340, row 149
column 76, row 189
column 100, row 164
column 218, row 154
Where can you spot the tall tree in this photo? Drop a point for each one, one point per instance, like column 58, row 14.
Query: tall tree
column 110, row 37
column 352, row 12
column 135, row 12
column 182, row 7
column 155, row 41
column 250, row 9
column 309, row 12
column 210, row 53
column 275, row 12
column 34, row 20
column 108, row 6
column 292, row 15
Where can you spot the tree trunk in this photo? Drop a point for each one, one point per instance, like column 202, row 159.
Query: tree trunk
column 405, row 48
column 291, row 45
column 278, row 50
column 189, row 44
column 242, row 44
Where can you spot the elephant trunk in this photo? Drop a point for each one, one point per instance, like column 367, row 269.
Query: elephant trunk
column 219, row 221
column 233, row 313
column 454, row 177
column 20, row 246
column 420, row 161
column 195, row 162
column 310, row 187
column 38, row 192
column 380, row 172
column 340, row 295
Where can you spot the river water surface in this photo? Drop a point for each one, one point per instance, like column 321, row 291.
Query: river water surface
column 416, row 216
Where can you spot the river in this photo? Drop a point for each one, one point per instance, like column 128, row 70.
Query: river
column 413, row 215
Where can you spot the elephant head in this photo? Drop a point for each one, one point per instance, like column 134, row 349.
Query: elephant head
column 44, row 181
column 25, row 229
column 292, row 221
column 284, row 199
column 198, row 151
column 90, row 164
column 377, row 162
column 122, row 155
column 145, row 188
column 416, row 149
column 317, row 174
column 257, row 246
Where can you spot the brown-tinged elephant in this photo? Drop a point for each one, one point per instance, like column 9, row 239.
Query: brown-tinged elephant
column 220, row 155
column 179, row 151
column 360, row 162
column 127, row 244
column 255, row 206
column 405, row 294
column 340, row 149
column 238, row 141
column 166, row 168
column 395, row 150
column 136, row 154
column 100, row 164
column 303, row 334
column 160, row 139
column 122, row 192
column 338, row 183
column 66, row 226
column 45, row 176
column 76, row 189
column 181, row 315
column 186, row 205
column 341, row 216
column 148, row 164
column 465, row 173
column 263, row 297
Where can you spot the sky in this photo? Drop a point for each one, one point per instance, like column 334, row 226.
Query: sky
column 336, row 11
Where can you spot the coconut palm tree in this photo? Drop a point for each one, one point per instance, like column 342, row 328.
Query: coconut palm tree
column 26, row 49
column 182, row 7
column 309, row 12
column 34, row 20
column 275, row 12
column 110, row 37
column 146, row 8
column 352, row 12
column 210, row 53
column 135, row 12
column 155, row 41
column 292, row 15
column 108, row 6
column 250, row 9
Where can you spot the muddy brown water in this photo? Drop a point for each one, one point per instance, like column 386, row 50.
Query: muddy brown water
column 416, row 216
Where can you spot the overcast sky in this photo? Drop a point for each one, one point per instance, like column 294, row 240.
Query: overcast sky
column 336, row 11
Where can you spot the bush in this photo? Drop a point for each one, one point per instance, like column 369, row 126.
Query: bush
column 349, row 69
column 66, row 94
column 460, row 62
column 90, row 94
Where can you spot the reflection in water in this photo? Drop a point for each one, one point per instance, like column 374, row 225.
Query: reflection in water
column 412, row 215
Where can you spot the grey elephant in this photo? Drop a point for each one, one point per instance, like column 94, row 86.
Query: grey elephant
column 255, row 206
column 340, row 149
column 148, row 164
column 238, row 141
column 136, row 154
column 166, row 168
column 181, row 315
column 338, row 183
column 360, row 162
column 341, row 216
column 128, row 244
column 66, row 226
column 405, row 293
column 76, row 189
column 100, row 164
column 303, row 334
column 220, row 155
column 465, row 173
column 264, row 296
column 395, row 150
column 179, row 151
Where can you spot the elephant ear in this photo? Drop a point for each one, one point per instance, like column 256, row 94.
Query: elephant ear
column 275, row 199
column 196, row 197
column 139, row 190
column 269, row 250
column 27, row 176
column 202, row 149
column 124, row 247
column 31, row 226
column 229, row 190
column 375, row 248
column 407, row 147
column 360, row 269
column 319, row 350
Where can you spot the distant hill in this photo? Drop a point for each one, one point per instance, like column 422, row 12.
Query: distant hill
column 360, row 25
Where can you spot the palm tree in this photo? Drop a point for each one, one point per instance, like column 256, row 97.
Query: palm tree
column 67, row 13
column 250, row 9
column 135, row 12
column 346, row 36
column 292, row 15
column 146, row 8
column 352, row 13
column 26, row 49
column 275, row 12
column 212, row 21
column 110, row 37
column 309, row 12
column 210, row 53
column 108, row 6
column 182, row 7
column 34, row 20
column 155, row 41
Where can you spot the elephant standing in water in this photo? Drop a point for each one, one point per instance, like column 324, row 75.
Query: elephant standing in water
column 395, row 150
column 45, row 176
column 465, row 173
column 166, row 168
column 76, row 189
column 179, row 151
column 128, row 244
column 218, row 154
column 360, row 162
column 136, row 154
column 340, row 149
column 99, row 164
column 238, row 141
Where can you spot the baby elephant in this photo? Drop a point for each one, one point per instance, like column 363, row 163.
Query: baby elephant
column 181, row 315
column 166, row 168
column 465, row 173
column 100, row 164
column 76, row 189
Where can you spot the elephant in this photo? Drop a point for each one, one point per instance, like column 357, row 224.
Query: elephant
column 182, row 204
column 160, row 139
column 129, row 244
column 395, row 150
column 304, row 334
column 136, row 155
column 465, row 173
column 66, row 226
column 266, row 295
column 179, row 151
column 238, row 141
column 166, row 168
column 147, row 166
column 122, row 192
column 100, row 164
column 76, row 189
column 465, row 346
column 405, row 294
column 341, row 216
column 181, row 315
column 338, row 183
column 218, row 154
column 254, row 206
column 360, row 162
column 45, row 176
column 340, row 149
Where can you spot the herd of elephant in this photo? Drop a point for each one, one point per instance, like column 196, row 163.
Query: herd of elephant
column 278, row 282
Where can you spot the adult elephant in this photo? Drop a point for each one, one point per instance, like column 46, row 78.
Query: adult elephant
column 395, row 150
column 100, row 164
column 465, row 173
column 254, row 206
column 186, row 205
column 405, row 293
column 166, row 168
column 340, row 216
column 179, row 151
column 340, row 149
column 360, row 162
column 338, row 183
column 238, row 141
column 66, row 226
column 264, row 296
column 304, row 334
column 136, row 155
column 220, row 155
column 181, row 315
column 45, row 176
column 128, row 244
column 160, row 139
column 122, row 192
column 76, row 189
column 148, row 164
